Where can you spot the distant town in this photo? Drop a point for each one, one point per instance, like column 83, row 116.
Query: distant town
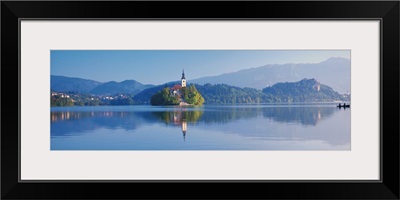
column 77, row 99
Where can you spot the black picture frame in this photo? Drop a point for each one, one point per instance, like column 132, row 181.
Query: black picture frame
column 386, row 11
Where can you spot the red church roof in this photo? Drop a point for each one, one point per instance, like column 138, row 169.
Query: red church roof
column 176, row 87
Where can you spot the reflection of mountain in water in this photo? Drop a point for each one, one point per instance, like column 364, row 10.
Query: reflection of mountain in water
column 225, row 118
column 308, row 116
column 229, row 114
column 303, row 115
column 66, row 123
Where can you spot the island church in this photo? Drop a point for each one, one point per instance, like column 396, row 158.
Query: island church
column 176, row 89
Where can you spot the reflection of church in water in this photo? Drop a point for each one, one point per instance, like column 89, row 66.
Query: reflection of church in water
column 178, row 119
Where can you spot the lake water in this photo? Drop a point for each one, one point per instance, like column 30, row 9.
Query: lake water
column 209, row 127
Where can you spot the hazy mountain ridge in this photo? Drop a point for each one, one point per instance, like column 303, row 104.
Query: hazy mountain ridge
column 334, row 72
column 127, row 87
column 86, row 86
column 68, row 84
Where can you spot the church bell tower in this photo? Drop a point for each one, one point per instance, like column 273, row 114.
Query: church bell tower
column 183, row 79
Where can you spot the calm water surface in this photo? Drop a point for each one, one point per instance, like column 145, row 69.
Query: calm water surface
column 243, row 127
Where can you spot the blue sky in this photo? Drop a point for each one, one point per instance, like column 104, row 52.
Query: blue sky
column 161, row 66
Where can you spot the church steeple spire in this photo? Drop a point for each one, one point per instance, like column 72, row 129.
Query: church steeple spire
column 183, row 80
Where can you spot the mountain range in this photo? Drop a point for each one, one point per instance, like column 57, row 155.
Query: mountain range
column 68, row 84
column 334, row 72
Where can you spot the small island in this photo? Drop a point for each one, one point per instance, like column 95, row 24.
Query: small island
column 178, row 95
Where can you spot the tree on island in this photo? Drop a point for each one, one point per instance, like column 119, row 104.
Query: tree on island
column 188, row 95
column 164, row 97
column 192, row 96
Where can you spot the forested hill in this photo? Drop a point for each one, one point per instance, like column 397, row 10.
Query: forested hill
column 226, row 94
column 306, row 90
